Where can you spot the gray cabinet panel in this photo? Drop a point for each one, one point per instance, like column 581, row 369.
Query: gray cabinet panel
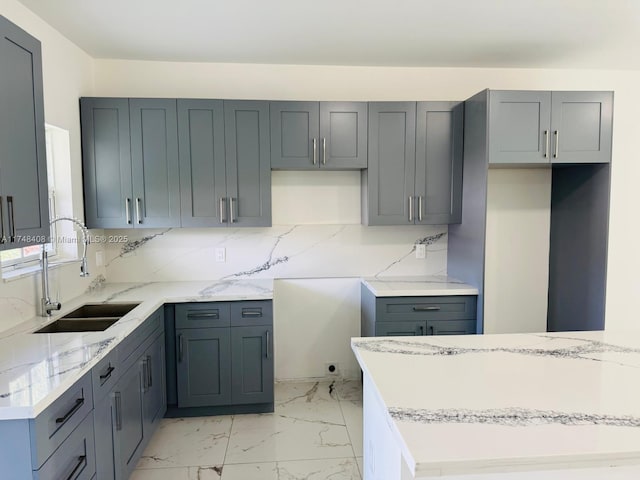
column 581, row 123
column 439, row 149
column 155, row 399
column 203, row 370
column 294, row 127
column 128, row 428
column 518, row 121
column 202, row 163
column 391, row 166
column 154, row 154
column 106, row 162
column 103, row 426
column 23, row 167
column 396, row 329
column 248, row 163
column 252, row 364
column 451, row 327
column 343, row 135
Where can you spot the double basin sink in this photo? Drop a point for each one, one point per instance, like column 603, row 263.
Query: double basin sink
column 91, row 317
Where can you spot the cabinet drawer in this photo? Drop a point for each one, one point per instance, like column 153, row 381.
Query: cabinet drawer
column 400, row 329
column 59, row 419
column 258, row 312
column 74, row 459
column 128, row 346
column 451, row 327
column 426, row 308
column 202, row 315
column 105, row 374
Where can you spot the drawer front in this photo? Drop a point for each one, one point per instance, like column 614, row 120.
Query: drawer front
column 105, row 375
column 74, row 459
column 452, row 307
column 400, row 329
column 149, row 327
column 203, row 315
column 252, row 313
column 51, row 427
column 451, row 327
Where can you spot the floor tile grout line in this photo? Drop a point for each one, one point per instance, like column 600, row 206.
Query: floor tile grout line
column 296, row 460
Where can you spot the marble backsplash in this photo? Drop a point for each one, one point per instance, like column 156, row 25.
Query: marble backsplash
column 283, row 251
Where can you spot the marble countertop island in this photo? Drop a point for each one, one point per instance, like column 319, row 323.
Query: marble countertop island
column 417, row 286
column 37, row 368
column 564, row 405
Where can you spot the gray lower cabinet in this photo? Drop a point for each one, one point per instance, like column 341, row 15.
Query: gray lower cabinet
column 154, row 383
column 415, row 163
column 417, row 316
column 224, row 356
column 530, row 127
column 313, row 135
column 24, row 204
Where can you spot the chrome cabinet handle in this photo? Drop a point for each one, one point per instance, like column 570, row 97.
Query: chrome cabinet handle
column 139, row 209
column 557, row 137
column 202, row 315
column 127, row 208
column 149, row 374
column 75, row 473
column 118, row 406
column 251, row 313
column 315, row 151
column 420, row 208
column 145, row 374
column 546, row 144
column 180, row 348
column 222, row 210
column 231, row 218
column 324, row 151
column 12, row 220
column 410, row 208
column 76, row 406
column 430, row 308
column 3, row 239
column 268, row 345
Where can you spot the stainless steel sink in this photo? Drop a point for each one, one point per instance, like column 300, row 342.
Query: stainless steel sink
column 91, row 317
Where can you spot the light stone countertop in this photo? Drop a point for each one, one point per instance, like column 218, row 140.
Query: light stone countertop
column 476, row 404
column 35, row 369
column 417, row 286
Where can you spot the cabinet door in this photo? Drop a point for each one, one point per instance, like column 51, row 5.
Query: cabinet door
column 252, row 364
column 439, row 142
column 400, row 329
column 155, row 398
column 106, row 162
column 519, row 127
column 343, row 135
column 203, row 370
column 451, row 327
column 203, row 189
column 128, row 421
column 154, row 157
column 581, row 123
column 248, row 163
column 295, row 128
column 391, row 171
column 23, row 166
column 104, row 428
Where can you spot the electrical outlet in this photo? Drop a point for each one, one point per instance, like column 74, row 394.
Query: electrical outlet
column 332, row 369
column 221, row 255
column 99, row 259
column 421, row 250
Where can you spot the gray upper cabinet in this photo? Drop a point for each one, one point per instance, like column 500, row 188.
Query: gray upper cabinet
column 154, row 158
column 24, row 211
column 248, row 163
column 530, row 127
column 203, row 185
column 582, row 127
column 312, row 135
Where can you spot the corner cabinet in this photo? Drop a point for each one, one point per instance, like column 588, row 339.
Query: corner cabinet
column 538, row 127
column 415, row 163
column 130, row 163
column 24, row 208
column 318, row 135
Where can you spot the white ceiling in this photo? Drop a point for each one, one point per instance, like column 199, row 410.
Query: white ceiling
column 474, row 33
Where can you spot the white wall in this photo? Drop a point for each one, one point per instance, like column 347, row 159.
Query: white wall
column 67, row 75
column 517, row 250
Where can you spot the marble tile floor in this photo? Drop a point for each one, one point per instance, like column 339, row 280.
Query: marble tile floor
column 315, row 433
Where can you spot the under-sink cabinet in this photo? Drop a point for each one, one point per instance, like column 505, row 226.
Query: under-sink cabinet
column 417, row 316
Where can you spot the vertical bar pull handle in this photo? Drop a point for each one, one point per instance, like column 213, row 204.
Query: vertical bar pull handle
column 118, row 401
column 420, row 208
column 431, row 330
column 421, row 330
column 556, row 150
column 410, row 209
column 324, row 150
column 12, row 220
column 75, row 473
column 127, row 209
column 3, row 239
column 231, row 216
column 139, row 209
column 546, row 144
column 268, row 345
column 180, row 348
column 149, row 374
column 223, row 218
column 315, row 151
column 145, row 374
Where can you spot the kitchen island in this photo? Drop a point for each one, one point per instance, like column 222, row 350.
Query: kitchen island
column 497, row 407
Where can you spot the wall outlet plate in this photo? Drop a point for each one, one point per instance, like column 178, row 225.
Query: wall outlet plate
column 332, row 369
column 421, row 250
column 221, row 255
column 99, row 259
